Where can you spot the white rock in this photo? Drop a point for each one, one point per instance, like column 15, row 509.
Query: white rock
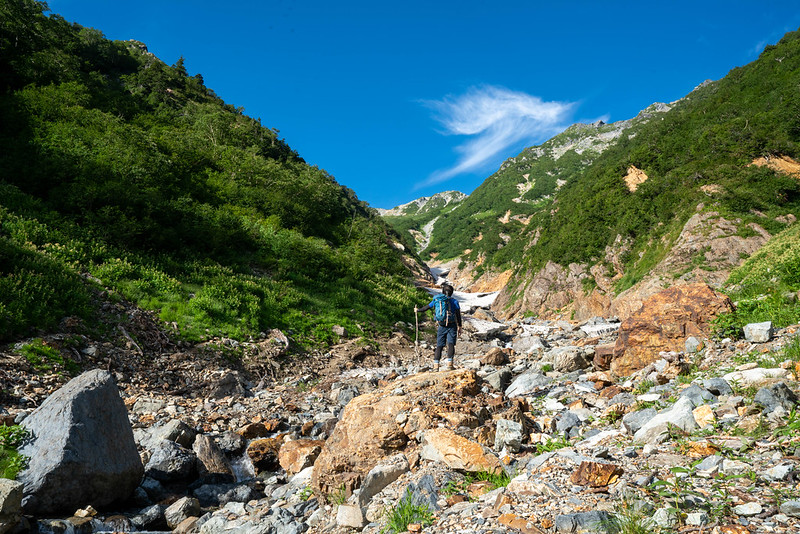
column 748, row 509
column 656, row 429
column 755, row 376
column 758, row 332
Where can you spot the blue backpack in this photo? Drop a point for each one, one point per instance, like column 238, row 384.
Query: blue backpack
column 442, row 309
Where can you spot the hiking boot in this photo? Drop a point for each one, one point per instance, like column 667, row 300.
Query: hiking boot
column 448, row 365
column 435, row 366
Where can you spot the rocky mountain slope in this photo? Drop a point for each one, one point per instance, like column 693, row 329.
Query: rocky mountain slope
column 416, row 219
column 600, row 217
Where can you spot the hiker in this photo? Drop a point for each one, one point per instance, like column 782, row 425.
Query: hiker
column 446, row 312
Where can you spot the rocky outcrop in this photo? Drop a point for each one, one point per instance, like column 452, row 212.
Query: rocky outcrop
column 379, row 424
column 82, row 449
column 663, row 323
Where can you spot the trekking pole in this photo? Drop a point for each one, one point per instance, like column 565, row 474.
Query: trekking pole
column 416, row 336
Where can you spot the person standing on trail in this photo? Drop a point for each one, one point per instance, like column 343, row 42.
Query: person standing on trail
column 446, row 312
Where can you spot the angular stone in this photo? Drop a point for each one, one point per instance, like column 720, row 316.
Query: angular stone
column 748, row 509
column 181, row 510
column 567, row 359
column 582, row 522
column 595, row 474
column 680, row 415
column 698, row 395
column 210, row 458
column 368, row 430
column 664, row 322
column 718, row 386
column 296, row 455
column 444, row 445
column 633, row 421
column 775, row 395
column 496, row 357
column 758, row 332
column 526, row 383
column 171, row 462
column 499, row 380
column 381, row 476
column 82, row 449
column 174, row 430
column 791, row 508
column 10, row 504
column 508, row 434
column 704, row 415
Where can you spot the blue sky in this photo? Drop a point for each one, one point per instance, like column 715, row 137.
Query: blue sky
column 406, row 99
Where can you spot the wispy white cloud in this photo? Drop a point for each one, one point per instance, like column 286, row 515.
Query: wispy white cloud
column 493, row 118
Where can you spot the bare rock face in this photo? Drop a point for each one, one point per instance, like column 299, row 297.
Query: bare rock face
column 379, row 424
column 663, row 323
column 82, row 449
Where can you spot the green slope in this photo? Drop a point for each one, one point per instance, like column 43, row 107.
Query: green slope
column 570, row 208
column 122, row 172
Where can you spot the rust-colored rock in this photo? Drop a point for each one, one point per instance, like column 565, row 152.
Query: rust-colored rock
column 496, row 357
column 663, row 323
column 264, row 454
column 595, row 475
column 603, row 355
column 296, row 455
column 369, row 429
column 253, row 431
column 518, row 523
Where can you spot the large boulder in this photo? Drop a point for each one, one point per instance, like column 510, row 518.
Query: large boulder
column 664, row 322
column 82, row 449
column 379, row 424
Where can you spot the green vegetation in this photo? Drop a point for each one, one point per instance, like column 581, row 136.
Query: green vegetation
column 11, row 461
column 122, row 173
column 44, row 358
column 406, row 512
column 765, row 287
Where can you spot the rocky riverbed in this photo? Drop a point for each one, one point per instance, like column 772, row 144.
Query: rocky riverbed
column 531, row 433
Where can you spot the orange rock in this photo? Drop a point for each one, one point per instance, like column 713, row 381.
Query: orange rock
column 730, row 529
column 444, row 445
column 368, row 430
column 546, row 523
column 663, row 323
column 495, row 357
column 476, row 489
column 264, row 454
column 253, row 430
column 595, row 475
column 294, row 456
column 704, row 415
column 699, row 449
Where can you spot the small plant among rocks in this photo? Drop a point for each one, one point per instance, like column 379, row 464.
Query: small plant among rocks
column 11, row 461
column 404, row 513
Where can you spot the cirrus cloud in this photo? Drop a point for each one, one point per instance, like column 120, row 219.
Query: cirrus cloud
column 494, row 118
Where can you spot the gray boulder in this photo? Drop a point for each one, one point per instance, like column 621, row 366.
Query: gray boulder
column 10, row 504
column 567, row 359
column 680, row 415
column 775, row 396
column 82, row 449
column 635, row 420
column 758, row 332
column 596, row 521
column 171, row 462
column 499, row 380
column 526, row 383
column 698, row 395
column 508, row 435
column 182, row 509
